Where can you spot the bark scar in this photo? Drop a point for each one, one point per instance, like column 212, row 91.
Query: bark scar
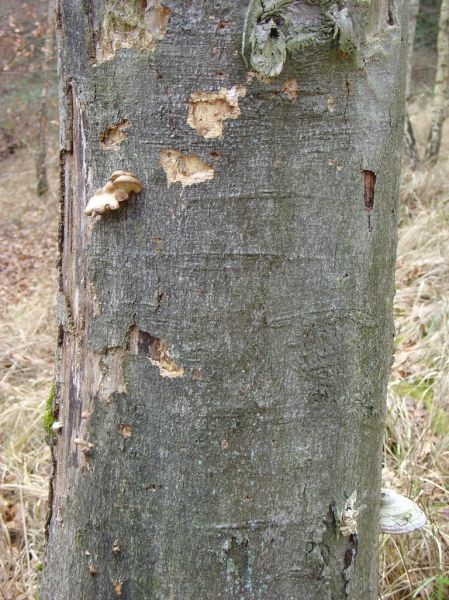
column 208, row 110
column 369, row 181
column 143, row 343
column 114, row 135
column 186, row 170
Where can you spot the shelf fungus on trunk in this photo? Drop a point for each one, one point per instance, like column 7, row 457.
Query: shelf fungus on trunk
column 118, row 189
column 399, row 514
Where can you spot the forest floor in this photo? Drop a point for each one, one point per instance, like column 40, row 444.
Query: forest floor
column 416, row 460
column 28, row 240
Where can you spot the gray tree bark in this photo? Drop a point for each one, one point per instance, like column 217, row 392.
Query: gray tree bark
column 225, row 340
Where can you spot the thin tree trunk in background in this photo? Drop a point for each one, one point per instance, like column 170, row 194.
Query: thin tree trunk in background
column 411, row 149
column 225, row 341
column 41, row 157
column 440, row 92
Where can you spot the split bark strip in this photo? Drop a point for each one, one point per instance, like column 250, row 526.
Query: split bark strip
column 440, row 92
column 261, row 288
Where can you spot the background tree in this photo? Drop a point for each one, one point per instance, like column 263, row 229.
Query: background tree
column 42, row 186
column 410, row 140
column 441, row 86
column 225, row 341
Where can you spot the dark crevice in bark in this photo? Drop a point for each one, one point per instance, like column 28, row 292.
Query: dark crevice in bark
column 65, row 171
column 391, row 20
column 51, row 495
column 349, row 562
column 160, row 297
column 369, row 182
column 345, row 115
column 91, row 36
column 58, row 16
column 62, row 194
column 149, row 345
column 65, row 155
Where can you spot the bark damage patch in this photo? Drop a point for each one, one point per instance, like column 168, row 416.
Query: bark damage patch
column 186, row 170
column 290, row 89
column 237, row 563
column 137, row 24
column 111, row 376
column 156, row 350
column 114, row 135
column 369, row 182
column 208, row 110
column 125, row 429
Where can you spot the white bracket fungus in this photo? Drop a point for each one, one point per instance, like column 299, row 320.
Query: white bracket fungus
column 118, row 189
column 399, row 514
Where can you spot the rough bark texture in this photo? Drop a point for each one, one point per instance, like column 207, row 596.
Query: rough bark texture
column 440, row 90
column 265, row 291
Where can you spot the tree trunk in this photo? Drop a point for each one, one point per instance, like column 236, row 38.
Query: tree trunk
column 411, row 149
column 225, row 335
column 440, row 89
column 41, row 158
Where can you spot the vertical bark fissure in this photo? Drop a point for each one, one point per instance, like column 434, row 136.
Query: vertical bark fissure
column 369, row 182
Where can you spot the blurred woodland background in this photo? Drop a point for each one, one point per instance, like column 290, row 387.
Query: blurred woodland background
column 416, row 450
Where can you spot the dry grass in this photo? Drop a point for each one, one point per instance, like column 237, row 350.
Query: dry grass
column 28, row 232
column 416, row 439
column 417, row 430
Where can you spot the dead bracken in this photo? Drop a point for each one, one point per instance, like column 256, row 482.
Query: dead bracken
column 208, row 110
column 186, row 170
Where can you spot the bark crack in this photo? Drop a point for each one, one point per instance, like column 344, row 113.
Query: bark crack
column 345, row 118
